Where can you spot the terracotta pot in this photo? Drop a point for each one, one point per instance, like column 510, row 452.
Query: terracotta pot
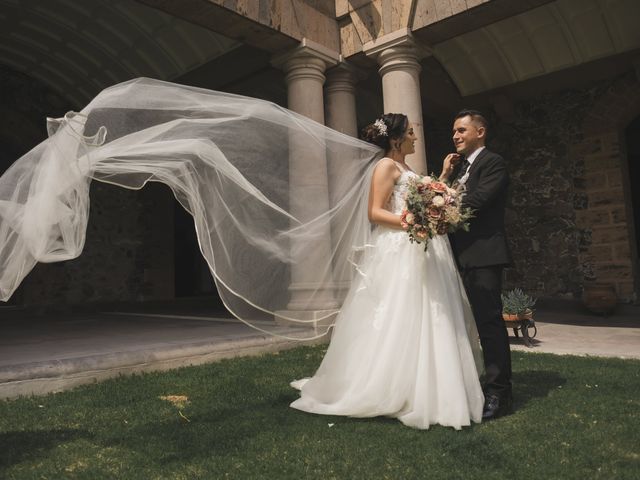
column 528, row 315
column 600, row 298
column 514, row 317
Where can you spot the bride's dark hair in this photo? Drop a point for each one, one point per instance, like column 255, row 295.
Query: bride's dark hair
column 384, row 129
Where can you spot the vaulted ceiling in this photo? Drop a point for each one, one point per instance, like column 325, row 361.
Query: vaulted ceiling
column 80, row 47
column 547, row 39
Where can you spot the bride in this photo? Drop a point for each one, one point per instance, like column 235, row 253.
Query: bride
column 404, row 344
column 279, row 205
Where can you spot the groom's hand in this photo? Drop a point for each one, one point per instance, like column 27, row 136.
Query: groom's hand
column 449, row 164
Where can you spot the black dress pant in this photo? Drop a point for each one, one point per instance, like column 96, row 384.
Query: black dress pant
column 484, row 286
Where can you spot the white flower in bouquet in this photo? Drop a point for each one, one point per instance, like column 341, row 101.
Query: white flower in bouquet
column 438, row 201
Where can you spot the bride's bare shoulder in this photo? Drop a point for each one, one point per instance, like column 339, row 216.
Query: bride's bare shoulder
column 387, row 167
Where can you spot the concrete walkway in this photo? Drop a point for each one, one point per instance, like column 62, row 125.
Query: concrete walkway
column 49, row 353
column 575, row 332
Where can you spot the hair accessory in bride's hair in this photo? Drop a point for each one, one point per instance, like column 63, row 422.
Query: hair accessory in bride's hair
column 381, row 126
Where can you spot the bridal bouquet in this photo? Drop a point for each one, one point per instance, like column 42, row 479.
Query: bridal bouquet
column 432, row 208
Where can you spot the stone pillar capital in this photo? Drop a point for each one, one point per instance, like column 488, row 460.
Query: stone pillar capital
column 308, row 60
column 343, row 78
column 398, row 49
column 304, row 68
column 400, row 57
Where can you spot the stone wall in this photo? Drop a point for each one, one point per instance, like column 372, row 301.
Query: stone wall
column 128, row 255
column 604, row 189
column 541, row 215
column 129, row 249
column 24, row 105
column 568, row 213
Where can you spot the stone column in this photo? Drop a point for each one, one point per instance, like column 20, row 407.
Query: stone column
column 398, row 56
column 340, row 90
column 304, row 68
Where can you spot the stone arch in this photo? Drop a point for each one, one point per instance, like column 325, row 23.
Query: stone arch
column 615, row 108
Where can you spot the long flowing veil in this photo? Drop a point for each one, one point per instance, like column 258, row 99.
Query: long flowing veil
column 279, row 201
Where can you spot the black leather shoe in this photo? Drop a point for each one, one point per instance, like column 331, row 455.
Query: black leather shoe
column 496, row 406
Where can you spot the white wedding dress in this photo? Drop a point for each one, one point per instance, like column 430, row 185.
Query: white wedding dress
column 402, row 344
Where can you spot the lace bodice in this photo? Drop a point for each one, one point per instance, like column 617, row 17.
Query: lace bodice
column 397, row 200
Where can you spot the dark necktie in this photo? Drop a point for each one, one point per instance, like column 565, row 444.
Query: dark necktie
column 463, row 169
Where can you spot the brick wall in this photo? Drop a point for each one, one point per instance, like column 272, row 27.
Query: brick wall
column 604, row 187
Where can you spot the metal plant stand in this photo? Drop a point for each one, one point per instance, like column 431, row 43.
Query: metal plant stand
column 523, row 325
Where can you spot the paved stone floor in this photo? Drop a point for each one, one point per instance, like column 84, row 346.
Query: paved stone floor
column 574, row 331
column 52, row 352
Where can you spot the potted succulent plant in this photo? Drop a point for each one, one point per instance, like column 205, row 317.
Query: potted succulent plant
column 517, row 305
column 517, row 312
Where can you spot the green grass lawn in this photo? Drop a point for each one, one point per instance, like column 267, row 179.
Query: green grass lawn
column 575, row 418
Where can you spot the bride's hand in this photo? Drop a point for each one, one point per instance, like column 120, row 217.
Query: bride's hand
column 449, row 164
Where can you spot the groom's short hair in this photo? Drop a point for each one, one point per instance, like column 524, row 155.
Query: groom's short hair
column 475, row 115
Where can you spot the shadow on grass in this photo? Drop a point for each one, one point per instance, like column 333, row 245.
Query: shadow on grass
column 24, row 445
column 208, row 432
column 532, row 384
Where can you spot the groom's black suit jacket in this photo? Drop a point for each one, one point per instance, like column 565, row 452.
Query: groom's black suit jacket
column 485, row 243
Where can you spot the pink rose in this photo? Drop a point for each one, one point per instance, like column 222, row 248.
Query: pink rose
column 434, row 212
column 438, row 187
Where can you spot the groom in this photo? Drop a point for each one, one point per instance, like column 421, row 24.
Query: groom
column 482, row 252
